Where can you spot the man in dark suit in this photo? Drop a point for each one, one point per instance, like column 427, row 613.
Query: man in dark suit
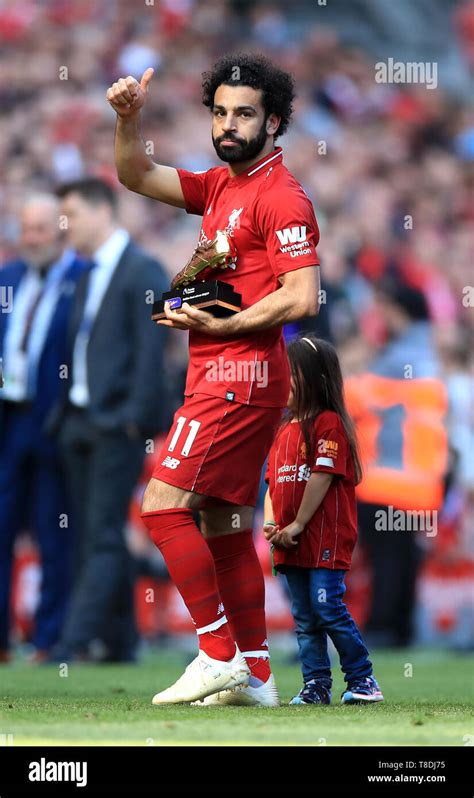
column 36, row 292
column 112, row 404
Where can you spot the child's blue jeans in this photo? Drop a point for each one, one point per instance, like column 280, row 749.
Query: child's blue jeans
column 318, row 610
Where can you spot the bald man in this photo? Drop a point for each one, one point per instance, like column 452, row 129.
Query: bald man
column 36, row 292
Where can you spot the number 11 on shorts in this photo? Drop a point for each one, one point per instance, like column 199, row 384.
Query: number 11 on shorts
column 193, row 430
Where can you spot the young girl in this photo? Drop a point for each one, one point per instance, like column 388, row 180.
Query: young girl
column 311, row 521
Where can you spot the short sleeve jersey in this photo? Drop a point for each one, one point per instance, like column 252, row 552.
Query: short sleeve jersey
column 273, row 226
column 328, row 539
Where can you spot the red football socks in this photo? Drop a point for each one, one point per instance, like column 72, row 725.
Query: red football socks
column 191, row 567
column 242, row 589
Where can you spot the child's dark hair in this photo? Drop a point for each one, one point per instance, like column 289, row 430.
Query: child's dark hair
column 319, row 386
column 258, row 72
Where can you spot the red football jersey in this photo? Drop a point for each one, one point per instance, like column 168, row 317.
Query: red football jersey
column 329, row 538
column 272, row 223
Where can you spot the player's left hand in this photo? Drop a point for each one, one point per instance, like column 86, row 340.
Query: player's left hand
column 286, row 538
column 190, row 318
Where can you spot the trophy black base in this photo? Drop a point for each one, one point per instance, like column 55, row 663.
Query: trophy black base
column 213, row 296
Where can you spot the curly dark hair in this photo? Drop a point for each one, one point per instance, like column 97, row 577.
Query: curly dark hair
column 258, row 72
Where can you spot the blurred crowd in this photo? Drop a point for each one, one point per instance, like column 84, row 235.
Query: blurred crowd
column 389, row 168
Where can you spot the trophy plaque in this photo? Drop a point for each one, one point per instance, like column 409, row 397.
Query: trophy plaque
column 192, row 286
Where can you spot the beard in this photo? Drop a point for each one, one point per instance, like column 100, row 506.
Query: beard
column 243, row 150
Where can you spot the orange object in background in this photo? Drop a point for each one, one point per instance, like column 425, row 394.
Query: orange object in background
column 418, row 485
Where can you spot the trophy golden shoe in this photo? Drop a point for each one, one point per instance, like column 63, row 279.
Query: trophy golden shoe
column 192, row 285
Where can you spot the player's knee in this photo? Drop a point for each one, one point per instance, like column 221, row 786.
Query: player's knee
column 161, row 496
column 155, row 498
column 218, row 520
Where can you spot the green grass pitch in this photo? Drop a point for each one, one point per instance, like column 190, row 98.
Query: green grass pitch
column 104, row 705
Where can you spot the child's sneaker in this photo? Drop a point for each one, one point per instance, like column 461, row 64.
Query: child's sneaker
column 313, row 693
column 361, row 691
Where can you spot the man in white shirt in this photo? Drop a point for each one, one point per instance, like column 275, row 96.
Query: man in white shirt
column 36, row 291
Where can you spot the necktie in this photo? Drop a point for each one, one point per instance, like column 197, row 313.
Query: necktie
column 80, row 392
column 30, row 316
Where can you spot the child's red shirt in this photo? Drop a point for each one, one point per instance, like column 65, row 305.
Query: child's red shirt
column 329, row 538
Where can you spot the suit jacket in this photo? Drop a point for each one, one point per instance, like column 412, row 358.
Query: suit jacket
column 125, row 349
column 55, row 348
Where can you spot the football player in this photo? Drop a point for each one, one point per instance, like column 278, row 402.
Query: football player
column 238, row 376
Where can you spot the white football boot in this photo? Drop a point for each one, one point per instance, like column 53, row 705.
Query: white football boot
column 204, row 676
column 265, row 695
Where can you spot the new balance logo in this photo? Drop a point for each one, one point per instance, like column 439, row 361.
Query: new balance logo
column 290, row 235
column 170, row 462
column 220, row 609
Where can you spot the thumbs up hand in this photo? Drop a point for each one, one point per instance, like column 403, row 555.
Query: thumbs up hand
column 127, row 96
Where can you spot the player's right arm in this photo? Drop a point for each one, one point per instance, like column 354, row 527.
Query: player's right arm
column 135, row 169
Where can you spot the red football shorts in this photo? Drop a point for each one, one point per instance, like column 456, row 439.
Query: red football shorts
column 217, row 448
